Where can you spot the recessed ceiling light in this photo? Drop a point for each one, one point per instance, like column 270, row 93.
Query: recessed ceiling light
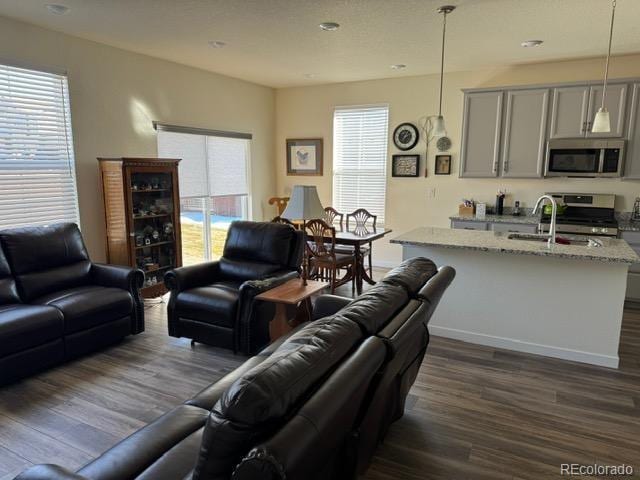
column 531, row 43
column 217, row 44
column 398, row 66
column 57, row 9
column 309, row 75
column 329, row 26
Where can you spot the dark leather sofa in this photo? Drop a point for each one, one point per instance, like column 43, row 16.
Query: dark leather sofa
column 56, row 304
column 213, row 302
column 313, row 405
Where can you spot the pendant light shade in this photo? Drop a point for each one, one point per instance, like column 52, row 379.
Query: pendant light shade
column 439, row 129
column 601, row 122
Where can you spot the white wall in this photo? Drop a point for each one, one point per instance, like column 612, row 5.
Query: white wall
column 308, row 112
column 115, row 95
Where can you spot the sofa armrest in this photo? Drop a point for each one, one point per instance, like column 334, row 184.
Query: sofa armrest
column 246, row 341
column 48, row 472
column 326, row 305
column 126, row 278
column 183, row 278
column 117, row 276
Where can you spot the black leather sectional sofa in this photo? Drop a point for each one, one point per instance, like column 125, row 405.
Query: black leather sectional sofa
column 56, row 304
column 313, row 405
column 213, row 302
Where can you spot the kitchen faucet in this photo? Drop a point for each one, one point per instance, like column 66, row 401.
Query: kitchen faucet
column 554, row 211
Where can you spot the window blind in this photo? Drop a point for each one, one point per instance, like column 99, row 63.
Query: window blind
column 37, row 166
column 211, row 166
column 360, row 159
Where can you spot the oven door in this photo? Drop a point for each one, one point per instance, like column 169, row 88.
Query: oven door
column 573, row 162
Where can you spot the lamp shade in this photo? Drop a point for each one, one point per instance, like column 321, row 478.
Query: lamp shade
column 304, row 204
column 439, row 129
column 601, row 123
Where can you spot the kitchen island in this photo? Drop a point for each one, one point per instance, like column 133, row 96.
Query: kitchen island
column 563, row 301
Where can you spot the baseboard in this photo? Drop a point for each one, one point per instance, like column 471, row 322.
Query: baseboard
column 526, row 347
column 385, row 264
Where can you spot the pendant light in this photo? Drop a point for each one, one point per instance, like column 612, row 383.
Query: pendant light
column 439, row 129
column 602, row 123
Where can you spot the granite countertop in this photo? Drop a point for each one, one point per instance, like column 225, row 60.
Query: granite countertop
column 613, row 250
column 525, row 219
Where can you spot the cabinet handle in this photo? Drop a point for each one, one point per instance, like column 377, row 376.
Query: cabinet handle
column 495, row 166
column 589, row 125
column 505, row 168
column 584, row 127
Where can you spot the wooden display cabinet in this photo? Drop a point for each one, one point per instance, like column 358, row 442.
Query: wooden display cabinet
column 142, row 216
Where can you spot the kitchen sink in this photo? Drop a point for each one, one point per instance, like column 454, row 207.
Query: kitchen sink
column 573, row 240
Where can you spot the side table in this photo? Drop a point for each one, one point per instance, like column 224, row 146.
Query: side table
column 295, row 293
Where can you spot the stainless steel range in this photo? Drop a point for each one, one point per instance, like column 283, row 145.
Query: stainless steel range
column 589, row 214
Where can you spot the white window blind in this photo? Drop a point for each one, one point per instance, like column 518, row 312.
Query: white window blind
column 211, row 166
column 360, row 159
column 37, row 167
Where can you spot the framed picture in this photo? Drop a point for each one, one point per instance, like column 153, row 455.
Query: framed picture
column 443, row 164
column 304, row 156
column 405, row 165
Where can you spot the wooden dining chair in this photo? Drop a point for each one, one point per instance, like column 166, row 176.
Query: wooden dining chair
column 280, row 203
column 331, row 214
column 284, row 221
column 323, row 262
column 362, row 221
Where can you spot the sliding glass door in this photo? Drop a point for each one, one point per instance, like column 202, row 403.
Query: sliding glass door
column 214, row 189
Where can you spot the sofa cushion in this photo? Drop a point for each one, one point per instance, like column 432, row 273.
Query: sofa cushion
column 242, row 270
column 26, row 326
column 8, row 290
column 46, row 259
column 216, row 304
column 262, row 399
column 264, row 242
column 411, row 274
column 376, row 307
column 89, row 306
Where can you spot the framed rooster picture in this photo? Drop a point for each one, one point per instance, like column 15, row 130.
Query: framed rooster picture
column 304, row 156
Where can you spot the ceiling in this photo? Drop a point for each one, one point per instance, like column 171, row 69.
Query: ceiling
column 278, row 42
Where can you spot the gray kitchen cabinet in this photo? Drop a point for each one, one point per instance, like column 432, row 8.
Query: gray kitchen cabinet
column 525, row 129
column 481, row 129
column 468, row 225
column 574, row 108
column 569, row 110
column 615, row 102
column 514, row 227
column 632, row 161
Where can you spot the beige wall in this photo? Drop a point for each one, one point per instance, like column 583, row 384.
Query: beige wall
column 308, row 112
column 115, row 95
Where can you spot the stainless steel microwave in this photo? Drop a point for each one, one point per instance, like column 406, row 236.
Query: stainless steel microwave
column 584, row 158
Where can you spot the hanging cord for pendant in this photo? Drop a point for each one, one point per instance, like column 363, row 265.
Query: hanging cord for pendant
column 444, row 31
column 606, row 68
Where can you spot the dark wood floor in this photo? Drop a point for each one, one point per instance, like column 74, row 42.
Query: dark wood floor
column 473, row 413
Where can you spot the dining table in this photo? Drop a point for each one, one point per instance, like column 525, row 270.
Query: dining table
column 356, row 237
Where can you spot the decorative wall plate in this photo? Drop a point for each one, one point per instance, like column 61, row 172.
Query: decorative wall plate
column 406, row 136
column 443, row 144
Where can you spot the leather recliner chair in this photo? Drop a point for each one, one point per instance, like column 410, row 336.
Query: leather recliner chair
column 213, row 302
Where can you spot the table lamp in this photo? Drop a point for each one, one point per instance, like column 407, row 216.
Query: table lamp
column 304, row 205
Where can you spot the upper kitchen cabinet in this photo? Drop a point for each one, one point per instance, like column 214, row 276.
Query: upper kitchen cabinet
column 569, row 112
column 573, row 109
column 525, row 127
column 481, row 128
column 632, row 162
column 615, row 102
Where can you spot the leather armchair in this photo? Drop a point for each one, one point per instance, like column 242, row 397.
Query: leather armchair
column 214, row 302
